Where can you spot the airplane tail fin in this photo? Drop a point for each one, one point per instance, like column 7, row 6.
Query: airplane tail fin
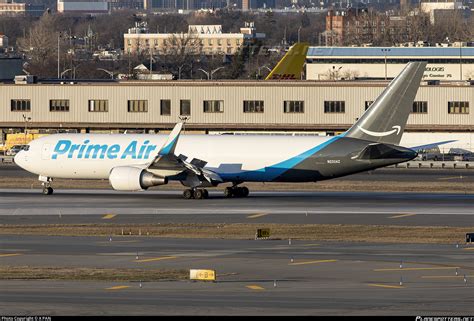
column 291, row 65
column 386, row 118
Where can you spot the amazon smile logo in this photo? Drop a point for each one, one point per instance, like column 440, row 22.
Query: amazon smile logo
column 396, row 129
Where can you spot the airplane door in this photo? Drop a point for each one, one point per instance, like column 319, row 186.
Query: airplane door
column 46, row 152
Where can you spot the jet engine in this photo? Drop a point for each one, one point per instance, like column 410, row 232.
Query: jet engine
column 129, row 178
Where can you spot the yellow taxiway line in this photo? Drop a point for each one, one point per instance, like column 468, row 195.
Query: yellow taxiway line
column 418, row 269
column 386, row 286
column 402, row 215
column 156, row 259
column 313, row 262
column 7, row 255
column 255, row 287
column 257, row 215
column 109, row 216
column 445, row 276
column 119, row 287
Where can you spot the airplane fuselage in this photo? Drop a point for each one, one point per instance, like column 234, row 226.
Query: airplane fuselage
column 233, row 158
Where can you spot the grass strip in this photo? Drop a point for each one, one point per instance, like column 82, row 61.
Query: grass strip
column 316, row 232
column 89, row 274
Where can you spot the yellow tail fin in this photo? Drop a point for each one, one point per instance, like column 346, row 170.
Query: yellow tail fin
column 291, row 65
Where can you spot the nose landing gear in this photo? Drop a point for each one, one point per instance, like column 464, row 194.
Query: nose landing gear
column 46, row 183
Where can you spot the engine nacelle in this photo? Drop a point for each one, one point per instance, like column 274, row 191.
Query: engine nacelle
column 129, row 178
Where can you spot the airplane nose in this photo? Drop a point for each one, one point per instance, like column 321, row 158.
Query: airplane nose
column 20, row 158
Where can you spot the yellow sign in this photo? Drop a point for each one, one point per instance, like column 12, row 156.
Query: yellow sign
column 263, row 232
column 202, row 275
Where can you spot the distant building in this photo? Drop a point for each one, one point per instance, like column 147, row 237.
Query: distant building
column 10, row 67
column 126, row 4
column 337, row 63
column 438, row 9
column 83, row 6
column 206, row 39
column 10, row 8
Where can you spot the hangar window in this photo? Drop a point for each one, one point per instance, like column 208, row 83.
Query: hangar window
column 293, row 106
column 138, row 106
column 253, row 106
column 420, row 107
column 213, row 106
column 458, row 107
column 335, row 106
column 368, row 103
column 59, row 105
column 100, row 106
column 185, row 107
column 20, row 105
column 165, row 107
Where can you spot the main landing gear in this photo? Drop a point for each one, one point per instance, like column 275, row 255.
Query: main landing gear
column 235, row 191
column 195, row 193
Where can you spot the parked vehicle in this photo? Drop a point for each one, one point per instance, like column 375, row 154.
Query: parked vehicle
column 15, row 149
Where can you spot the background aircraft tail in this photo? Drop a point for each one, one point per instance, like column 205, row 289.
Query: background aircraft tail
column 385, row 120
column 291, row 65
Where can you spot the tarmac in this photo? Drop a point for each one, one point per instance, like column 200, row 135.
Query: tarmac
column 253, row 277
column 90, row 206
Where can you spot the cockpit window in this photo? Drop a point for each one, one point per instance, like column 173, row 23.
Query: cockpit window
column 25, row 147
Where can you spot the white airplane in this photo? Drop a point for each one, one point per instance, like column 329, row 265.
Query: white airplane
column 137, row 162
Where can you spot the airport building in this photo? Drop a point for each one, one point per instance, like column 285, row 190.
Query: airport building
column 83, row 6
column 337, row 63
column 304, row 107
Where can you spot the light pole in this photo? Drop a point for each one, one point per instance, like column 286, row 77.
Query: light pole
column 65, row 71
column 59, row 36
column 209, row 74
column 111, row 74
column 299, row 29
column 385, row 50
column 259, row 68
column 26, row 119
column 334, row 72
column 216, row 70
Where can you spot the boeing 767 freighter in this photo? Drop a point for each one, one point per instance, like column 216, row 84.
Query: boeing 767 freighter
column 137, row 162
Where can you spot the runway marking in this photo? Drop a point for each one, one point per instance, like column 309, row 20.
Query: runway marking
column 12, row 254
column 418, row 269
column 156, row 259
column 312, row 262
column 387, row 286
column 402, row 215
column 109, row 216
column 445, row 276
column 118, row 287
column 255, row 287
column 257, row 215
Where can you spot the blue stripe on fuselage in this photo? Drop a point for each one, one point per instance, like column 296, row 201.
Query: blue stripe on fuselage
column 268, row 174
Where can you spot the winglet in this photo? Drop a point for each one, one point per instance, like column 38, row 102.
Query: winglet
column 170, row 144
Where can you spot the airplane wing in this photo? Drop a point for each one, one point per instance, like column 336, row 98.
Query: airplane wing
column 166, row 163
column 429, row 146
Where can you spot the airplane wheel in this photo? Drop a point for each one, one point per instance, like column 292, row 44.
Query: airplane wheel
column 188, row 194
column 245, row 191
column 206, row 193
column 47, row 191
column 199, row 194
column 228, row 192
